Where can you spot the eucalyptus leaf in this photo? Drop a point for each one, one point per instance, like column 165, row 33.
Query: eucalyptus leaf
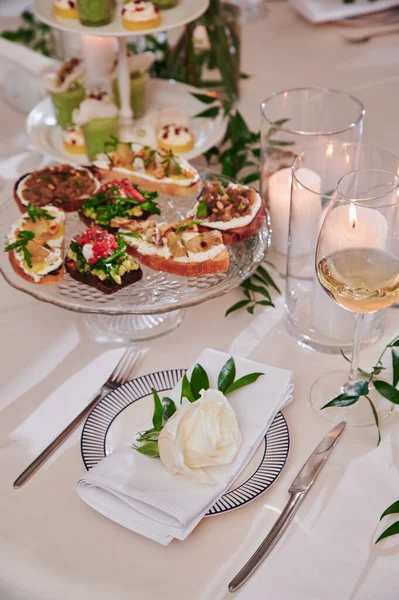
column 186, row 389
column 205, row 98
column 158, row 410
column 199, row 381
column 149, row 449
column 395, row 367
column 267, row 278
column 208, row 113
column 237, row 306
column 391, row 510
column 251, row 309
column 250, row 178
column 227, row 375
column 391, row 530
column 341, row 401
column 387, row 390
column 168, row 408
column 360, row 388
column 242, row 382
column 375, row 415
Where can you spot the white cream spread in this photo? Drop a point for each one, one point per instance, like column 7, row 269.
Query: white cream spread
column 174, row 135
column 234, row 223
column 52, row 83
column 95, row 108
column 147, row 248
column 73, row 136
column 139, row 11
column 22, row 186
column 103, row 162
column 54, row 258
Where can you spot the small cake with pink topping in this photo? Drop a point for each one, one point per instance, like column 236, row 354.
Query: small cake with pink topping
column 139, row 15
column 174, row 132
column 65, row 9
column 74, row 140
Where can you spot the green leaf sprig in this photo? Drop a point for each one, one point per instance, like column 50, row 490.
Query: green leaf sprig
column 20, row 245
column 256, row 292
column 35, row 212
column 394, row 528
column 353, row 393
column 191, row 390
column 31, row 33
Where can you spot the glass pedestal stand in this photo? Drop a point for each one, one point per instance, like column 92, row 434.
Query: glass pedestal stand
column 129, row 329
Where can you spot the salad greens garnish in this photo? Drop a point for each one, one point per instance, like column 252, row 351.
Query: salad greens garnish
column 107, row 265
column 104, row 206
column 132, row 234
column 20, row 244
column 35, row 212
column 171, row 161
column 165, row 408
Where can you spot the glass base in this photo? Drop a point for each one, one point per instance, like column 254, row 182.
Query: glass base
column 360, row 414
column 127, row 329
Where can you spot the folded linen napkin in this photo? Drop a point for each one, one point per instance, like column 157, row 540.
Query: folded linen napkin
column 137, row 492
column 320, row 11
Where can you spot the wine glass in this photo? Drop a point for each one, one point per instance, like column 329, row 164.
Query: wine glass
column 357, row 264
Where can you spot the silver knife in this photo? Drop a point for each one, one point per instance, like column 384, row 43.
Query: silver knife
column 298, row 490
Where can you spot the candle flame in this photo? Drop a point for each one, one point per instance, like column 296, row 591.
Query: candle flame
column 330, row 150
column 352, row 216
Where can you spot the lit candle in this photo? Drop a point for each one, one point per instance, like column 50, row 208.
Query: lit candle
column 99, row 56
column 347, row 227
column 306, row 209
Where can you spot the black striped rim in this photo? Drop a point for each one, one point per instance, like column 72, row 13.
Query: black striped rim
column 94, row 434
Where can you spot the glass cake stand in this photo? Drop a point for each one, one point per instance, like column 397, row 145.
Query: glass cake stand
column 156, row 304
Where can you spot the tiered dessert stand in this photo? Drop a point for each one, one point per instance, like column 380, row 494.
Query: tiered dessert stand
column 156, row 304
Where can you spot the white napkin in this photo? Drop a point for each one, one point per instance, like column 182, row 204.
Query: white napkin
column 320, row 11
column 137, row 492
column 32, row 61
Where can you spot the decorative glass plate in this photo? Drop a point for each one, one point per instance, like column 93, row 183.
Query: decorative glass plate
column 157, row 293
column 185, row 12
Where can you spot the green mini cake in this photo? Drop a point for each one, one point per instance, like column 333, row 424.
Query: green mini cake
column 66, row 90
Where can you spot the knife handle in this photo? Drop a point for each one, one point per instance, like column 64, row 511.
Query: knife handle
column 269, row 542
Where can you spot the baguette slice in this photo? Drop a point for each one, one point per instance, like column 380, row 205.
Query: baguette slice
column 64, row 193
column 219, row 264
column 238, row 211
column 145, row 166
column 238, row 235
column 102, row 286
column 52, row 278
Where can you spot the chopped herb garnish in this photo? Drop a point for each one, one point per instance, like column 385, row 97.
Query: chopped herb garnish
column 170, row 162
column 222, row 190
column 45, row 176
column 187, row 225
column 23, row 238
column 105, row 206
column 202, row 210
column 132, row 234
column 35, row 212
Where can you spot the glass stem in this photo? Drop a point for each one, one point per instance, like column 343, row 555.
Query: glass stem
column 354, row 372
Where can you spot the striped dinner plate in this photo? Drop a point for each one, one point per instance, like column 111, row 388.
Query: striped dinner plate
column 120, row 414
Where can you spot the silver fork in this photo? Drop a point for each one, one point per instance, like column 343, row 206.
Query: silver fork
column 121, row 374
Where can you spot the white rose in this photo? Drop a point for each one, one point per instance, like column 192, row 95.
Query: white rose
column 200, row 434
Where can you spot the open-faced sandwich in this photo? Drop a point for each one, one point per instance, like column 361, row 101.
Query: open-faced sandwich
column 160, row 171
column 177, row 248
column 100, row 259
column 64, row 186
column 36, row 245
column 118, row 199
column 236, row 210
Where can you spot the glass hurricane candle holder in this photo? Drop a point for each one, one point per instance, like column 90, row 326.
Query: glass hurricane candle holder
column 313, row 318
column 291, row 122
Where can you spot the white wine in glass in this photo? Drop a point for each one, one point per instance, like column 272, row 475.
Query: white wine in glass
column 357, row 264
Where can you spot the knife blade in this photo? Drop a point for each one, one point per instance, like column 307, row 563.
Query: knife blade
column 298, row 491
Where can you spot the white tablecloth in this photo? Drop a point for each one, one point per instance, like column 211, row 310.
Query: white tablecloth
column 53, row 547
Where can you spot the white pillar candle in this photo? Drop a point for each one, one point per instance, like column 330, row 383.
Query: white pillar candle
column 307, row 208
column 348, row 226
column 98, row 56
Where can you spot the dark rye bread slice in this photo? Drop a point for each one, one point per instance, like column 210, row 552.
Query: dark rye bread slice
column 240, row 234
column 67, row 204
column 51, row 278
column 219, row 264
column 102, row 286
